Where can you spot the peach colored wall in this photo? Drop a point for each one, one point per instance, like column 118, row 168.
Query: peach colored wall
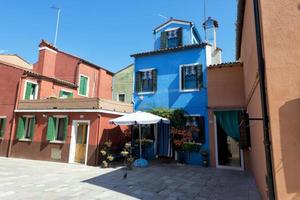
column 105, row 91
column 226, row 87
column 252, row 96
column 66, row 67
column 93, row 81
column 281, row 33
column 46, row 63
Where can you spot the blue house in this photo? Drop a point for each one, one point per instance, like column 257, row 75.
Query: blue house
column 173, row 75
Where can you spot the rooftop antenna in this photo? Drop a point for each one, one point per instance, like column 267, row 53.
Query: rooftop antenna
column 204, row 15
column 57, row 22
column 160, row 15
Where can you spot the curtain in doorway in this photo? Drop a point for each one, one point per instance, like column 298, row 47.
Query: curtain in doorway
column 229, row 121
column 164, row 142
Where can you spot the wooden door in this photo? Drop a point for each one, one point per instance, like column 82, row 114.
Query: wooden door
column 81, row 142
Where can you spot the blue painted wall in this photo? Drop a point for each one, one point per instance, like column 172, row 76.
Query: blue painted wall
column 168, row 94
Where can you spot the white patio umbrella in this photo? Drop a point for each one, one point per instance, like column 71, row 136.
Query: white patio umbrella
column 139, row 118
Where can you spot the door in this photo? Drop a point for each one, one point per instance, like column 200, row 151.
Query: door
column 81, row 142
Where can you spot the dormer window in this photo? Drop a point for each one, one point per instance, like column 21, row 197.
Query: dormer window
column 171, row 38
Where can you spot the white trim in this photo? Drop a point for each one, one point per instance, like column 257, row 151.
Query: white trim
column 142, row 93
column 73, row 110
column 87, row 87
column 60, row 116
column 47, row 48
column 3, row 117
column 172, row 29
column 170, row 22
column 56, row 142
column 72, row 149
column 24, row 140
column 124, row 97
column 180, row 78
column 64, row 90
column 25, row 88
column 241, row 168
column 146, row 70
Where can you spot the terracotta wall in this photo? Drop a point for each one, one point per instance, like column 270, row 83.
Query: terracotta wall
column 9, row 82
column 281, row 33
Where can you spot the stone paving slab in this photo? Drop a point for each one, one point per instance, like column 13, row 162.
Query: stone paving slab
column 28, row 179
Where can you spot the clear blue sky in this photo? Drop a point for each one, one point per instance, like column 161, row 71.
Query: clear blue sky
column 105, row 32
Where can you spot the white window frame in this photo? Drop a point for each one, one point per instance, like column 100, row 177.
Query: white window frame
column 56, row 129
column 180, row 78
column 87, row 87
column 64, row 90
column 124, row 97
column 146, row 70
column 25, row 88
column 26, row 139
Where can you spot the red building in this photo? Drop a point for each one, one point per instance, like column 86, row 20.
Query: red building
column 59, row 110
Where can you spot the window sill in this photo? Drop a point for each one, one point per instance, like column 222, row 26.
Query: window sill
column 57, row 142
column 190, row 90
column 142, row 93
column 25, row 140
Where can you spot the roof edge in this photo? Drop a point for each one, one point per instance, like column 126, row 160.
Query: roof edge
column 169, row 21
column 239, row 27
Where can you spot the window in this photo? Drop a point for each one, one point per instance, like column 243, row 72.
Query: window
column 31, row 90
column 171, row 38
column 196, row 126
column 2, row 126
column 83, row 85
column 57, row 128
column 146, row 81
column 191, row 77
column 65, row 94
column 26, row 125
column 121, row 97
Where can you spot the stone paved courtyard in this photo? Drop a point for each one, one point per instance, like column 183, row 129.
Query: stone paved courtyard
column 27, row 179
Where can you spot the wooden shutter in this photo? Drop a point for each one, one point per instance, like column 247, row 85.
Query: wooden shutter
column 83, row 85
column 61, row 93
column 21, row 128
column 154, row 80
column 66, row 121
column 201, row 123
column 199, row 75
column 182, row 77
column 70, row 95
column 32, row 126
column 179, row 36
column 3, row 124
column 163, row 40
column 51, row 129
column 28, row 90
column 138, row 82
column 245, row 140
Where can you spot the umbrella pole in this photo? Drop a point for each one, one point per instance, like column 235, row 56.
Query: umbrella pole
column 140, row 135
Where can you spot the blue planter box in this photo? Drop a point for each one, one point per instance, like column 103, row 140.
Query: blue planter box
column 193, row 158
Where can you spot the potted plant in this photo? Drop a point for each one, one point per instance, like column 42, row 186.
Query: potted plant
column 105, row 157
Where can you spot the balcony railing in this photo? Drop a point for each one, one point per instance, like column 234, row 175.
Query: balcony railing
column 75, row 103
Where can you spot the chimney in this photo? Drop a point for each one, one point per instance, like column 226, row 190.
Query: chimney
column 47, row 59
column 210, row 27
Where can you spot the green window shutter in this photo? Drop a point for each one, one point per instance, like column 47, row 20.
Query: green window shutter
column 179, row 35
column 21, row 128
column 138, row 81
column 163, row 40
column 83, row 85
column 199, row 75
column 3, row 124
column 51, row 129
column 154, row 80
column 70, row 95
column 61, row 93
column 28, row 91
column 66, row 121
column 32, row 126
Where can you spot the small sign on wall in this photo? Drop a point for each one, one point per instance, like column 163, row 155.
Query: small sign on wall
column 81, row 116
column 55, row 154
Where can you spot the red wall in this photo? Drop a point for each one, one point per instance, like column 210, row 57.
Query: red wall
column 9, row 81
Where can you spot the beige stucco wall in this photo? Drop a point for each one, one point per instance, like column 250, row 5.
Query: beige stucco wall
column 225, row 87
column 281, row 33
column 281, row 39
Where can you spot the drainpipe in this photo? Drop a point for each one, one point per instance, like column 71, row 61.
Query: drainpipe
column 261, row 71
